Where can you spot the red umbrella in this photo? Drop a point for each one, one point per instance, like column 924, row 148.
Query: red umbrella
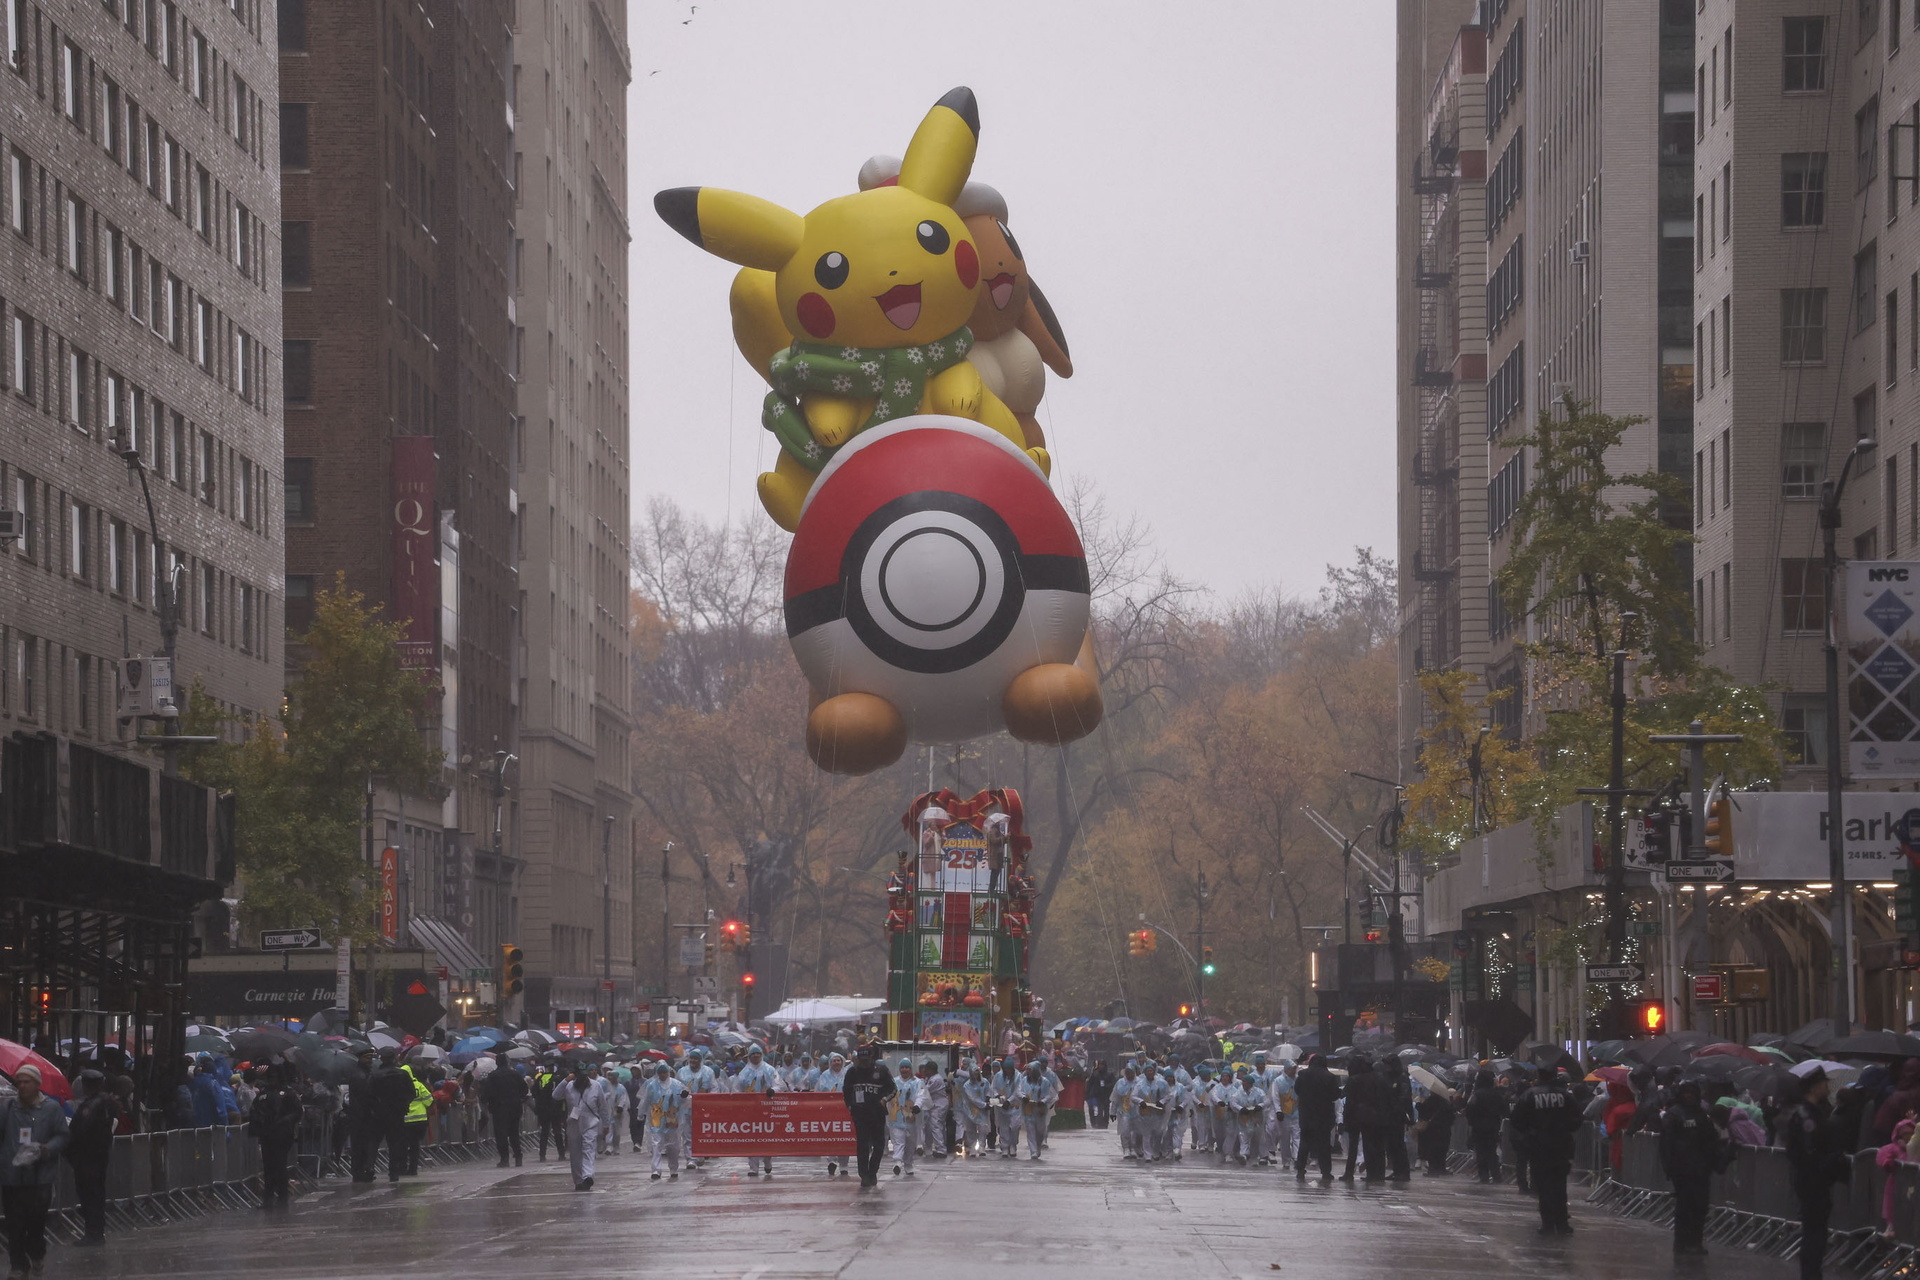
column 1735, row 1051
column 52, row 1083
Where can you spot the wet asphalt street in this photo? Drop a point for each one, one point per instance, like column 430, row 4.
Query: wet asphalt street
column 1079, row 1212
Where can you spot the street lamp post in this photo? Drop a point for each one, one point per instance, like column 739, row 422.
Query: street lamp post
column 1831, row 492
column 606, row 922
column 1200, row 941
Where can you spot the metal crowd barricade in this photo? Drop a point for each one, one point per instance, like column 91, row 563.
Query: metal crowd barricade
column 154, row 1178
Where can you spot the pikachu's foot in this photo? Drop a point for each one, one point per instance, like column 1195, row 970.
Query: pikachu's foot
column 1043, row 460
column 855, row 733
column 1052, row 704
column 782, row 496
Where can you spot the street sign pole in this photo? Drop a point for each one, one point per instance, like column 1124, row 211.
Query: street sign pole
column 1698, row 866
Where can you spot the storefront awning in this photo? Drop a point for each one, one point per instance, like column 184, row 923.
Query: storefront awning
column 463, row 963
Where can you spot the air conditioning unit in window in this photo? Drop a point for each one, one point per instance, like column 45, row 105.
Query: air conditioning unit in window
column 13, row 526
column 146, row 689
column 1580, row 252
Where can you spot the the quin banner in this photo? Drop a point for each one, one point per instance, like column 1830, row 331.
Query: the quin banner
column 1883, row 685
column 781, row 1124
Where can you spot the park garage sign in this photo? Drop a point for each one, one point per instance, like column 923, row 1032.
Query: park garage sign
column 1883, row 663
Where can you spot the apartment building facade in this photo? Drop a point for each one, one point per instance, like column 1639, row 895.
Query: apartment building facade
column 570, row 255
column 140, row 423
column 1562, row 273
column 395, row 147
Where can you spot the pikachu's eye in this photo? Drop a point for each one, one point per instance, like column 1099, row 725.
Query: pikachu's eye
column 1013, row 246
column 933, row 237
column 831, row 270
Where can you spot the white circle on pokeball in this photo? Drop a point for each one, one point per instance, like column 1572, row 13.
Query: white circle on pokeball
column 932, row 580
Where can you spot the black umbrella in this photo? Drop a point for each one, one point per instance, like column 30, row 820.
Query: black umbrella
column 1629, row 1052
column 259, row 1043
column 1716, row 1066
column 323, row 1060
column 1815, row 1034
column 1873, row 1044
column 1549, row 1055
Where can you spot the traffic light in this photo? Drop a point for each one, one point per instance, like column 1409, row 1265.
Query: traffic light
column 746, row 980
column 1904, row 922
column 730, row 934
column 707, row 956
column 746, row 935
column 1661, row 829
column 1206, row 961
column 1150, row 940
column 1186, row 1011
column 1135, row 945
column 1651, row 1017
column 1719, row 841
column 512, row 971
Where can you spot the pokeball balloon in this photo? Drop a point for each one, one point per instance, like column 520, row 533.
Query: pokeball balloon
column 936, row 591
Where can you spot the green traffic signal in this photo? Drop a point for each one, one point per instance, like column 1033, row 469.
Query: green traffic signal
column 1207, row 969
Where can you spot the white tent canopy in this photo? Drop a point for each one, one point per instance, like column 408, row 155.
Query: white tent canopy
column 822, row 1012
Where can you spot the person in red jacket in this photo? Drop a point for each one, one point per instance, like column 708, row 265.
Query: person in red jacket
column 1618, row 1117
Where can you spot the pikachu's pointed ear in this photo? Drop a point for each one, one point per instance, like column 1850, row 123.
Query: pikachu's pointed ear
column 940, row 156
column 740, row 228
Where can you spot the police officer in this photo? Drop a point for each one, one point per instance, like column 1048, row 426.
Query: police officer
column 757, row 1077
column 1815, row 1161
column 548, row 1114
column 1318, row 1092
column 504, row 1092
column 1690, row 1153
column 867, row 1089
column 1545, row 1120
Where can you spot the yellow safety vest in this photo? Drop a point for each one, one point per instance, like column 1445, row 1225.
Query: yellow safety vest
column 417, row 1109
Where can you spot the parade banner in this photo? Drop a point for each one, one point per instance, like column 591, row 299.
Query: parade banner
column 781, row 1124
column 1882, row 610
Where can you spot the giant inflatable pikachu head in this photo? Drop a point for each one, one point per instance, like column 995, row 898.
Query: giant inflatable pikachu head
column 890, row 267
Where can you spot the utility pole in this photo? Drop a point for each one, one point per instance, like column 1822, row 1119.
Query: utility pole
column 1831, row 491
column 1200, row 942
column 1616, row 783
column 606, row 922
column 666, row 929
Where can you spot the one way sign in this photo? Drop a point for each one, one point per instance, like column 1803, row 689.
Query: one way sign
column 291, row 940
column 1716, row 869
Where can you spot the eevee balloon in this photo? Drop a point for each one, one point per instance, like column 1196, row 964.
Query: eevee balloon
column 881, row 283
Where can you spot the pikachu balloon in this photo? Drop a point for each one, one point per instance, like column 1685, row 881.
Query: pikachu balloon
column 936, row 590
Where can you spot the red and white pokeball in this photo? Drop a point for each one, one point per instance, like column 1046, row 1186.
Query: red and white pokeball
column 933, row 565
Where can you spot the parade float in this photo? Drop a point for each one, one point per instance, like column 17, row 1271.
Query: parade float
column 959, row 911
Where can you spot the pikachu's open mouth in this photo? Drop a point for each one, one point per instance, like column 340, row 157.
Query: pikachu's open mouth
column 1000, row 289
column 901, row 304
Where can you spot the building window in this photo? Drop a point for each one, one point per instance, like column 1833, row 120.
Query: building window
column 110, row 118
column 20, row 193
column 293, row 135
column 296, row 255
column 1803, row 719
column 25, row 659
column 208, row 490
column 1866, row 422
column 203, row 202
column 247, row 605
column 299, row 602
column 203, row 333
column 73, row 80
column 197, row 67
column 1866, row 144
column 297, row 357
column 1869, row 21
column 243, row 238
column 1803, row 607
column 116, row 275
column 23, row 361
column 1866, row 288
column 1803, row 326
column 299, row 491
column 1892, row 341
column 293, row 26
column 1803, row 189
column 209, row 598
column 1507, row 390
column 76, row 388
column 117, row 557
column 79, row 518
column 242, row 367
column 74, row 248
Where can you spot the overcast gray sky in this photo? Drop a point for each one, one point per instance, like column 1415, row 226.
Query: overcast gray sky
column 1204, row 189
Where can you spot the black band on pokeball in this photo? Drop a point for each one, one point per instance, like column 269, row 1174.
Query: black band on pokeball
column 1020, row 574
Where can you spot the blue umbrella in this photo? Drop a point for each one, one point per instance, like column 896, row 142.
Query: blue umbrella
column 472, row 1047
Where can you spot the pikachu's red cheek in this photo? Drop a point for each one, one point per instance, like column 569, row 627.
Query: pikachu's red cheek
column 966, row 264
column 816, row 314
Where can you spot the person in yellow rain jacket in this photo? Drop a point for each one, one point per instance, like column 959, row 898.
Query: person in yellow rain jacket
column 416, row 1122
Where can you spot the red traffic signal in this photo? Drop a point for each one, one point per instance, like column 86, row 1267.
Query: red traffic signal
column 1651, row 1017
column 746, row 980
column 730, row 935
column 1186, row 1011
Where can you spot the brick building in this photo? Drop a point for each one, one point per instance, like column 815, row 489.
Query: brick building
column 571, row 261
column 395, row 145
column 140, row 448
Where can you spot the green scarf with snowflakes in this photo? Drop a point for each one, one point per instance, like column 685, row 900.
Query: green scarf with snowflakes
column 894, row 378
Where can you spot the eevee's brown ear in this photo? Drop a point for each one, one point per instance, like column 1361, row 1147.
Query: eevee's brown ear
column 1042, row 328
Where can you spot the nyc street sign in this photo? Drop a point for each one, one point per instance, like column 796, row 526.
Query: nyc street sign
column 291, row 940
column 1717, row 869
column 1598, row 973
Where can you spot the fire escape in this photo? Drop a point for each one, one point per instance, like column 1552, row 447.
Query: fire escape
column 1435, row 460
